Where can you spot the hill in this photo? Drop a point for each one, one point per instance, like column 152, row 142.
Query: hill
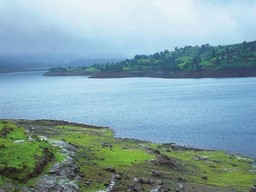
column 189, row 61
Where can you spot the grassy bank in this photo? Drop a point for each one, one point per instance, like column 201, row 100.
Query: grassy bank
column 130, row 164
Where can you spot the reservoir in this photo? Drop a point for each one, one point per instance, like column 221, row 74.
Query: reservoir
column 205, row 113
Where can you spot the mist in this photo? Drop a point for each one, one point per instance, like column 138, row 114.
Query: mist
column 120, row 28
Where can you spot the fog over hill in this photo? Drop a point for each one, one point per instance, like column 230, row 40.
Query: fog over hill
column 51, row 32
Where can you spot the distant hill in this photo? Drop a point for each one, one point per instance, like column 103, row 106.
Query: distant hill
column 189, row 61
column 14, row 63
column 89, row 62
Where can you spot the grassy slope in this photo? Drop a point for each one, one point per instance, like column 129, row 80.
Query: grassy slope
column 19, row 161
column 98, row 149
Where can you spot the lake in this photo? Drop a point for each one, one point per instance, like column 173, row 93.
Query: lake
column 205, row 113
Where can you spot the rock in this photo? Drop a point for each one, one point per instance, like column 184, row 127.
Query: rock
column 159, row 182
column 253, row 189
column 140, row 181
column 87, row 183
column 180, row 187
column 118, row 177
column 155, row 190
column 109, row 169
column 147, row 181
column 154, row 151
column 155, row 174
column 201, row 158
column 81, row 174
column 19, row 141
column 132, row 189
column 164, row 160
column 48, row 184
column 180, row 179
column 216, row 161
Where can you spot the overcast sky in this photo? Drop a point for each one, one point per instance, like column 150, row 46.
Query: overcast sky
column 121, row 28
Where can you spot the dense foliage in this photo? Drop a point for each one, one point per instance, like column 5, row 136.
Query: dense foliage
column 189, row 58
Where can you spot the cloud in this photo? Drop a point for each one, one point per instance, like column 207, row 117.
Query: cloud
column 121, row 28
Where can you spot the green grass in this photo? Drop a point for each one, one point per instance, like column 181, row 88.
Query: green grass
column 97, row 149
column 22, row 157
column 221, row 169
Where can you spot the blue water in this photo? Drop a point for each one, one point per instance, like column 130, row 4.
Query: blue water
column 204, row 113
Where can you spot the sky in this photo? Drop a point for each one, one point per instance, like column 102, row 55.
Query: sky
column 121, row 28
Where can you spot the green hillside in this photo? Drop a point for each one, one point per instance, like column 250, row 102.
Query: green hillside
column 186, row 59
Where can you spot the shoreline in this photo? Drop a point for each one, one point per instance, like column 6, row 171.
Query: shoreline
column 225, row 73
column 90, row 158
column 171, row 144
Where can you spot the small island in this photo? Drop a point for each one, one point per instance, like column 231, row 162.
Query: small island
column 238, row 60
column 49, row 155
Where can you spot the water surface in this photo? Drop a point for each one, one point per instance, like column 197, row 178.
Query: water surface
column 204, row 113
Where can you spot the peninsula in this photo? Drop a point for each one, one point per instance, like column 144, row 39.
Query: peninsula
column 238, row 60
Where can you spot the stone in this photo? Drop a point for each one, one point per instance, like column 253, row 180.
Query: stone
column 155, row 174
column 253, row 189
column 118, row 177
column 201, row 158
column 109, row 169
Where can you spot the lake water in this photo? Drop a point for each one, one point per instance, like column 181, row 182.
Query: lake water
column 204, row 113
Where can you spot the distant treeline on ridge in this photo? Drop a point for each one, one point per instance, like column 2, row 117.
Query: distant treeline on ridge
column 188, row 58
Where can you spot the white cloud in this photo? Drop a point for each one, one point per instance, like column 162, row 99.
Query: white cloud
column 125, row 27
